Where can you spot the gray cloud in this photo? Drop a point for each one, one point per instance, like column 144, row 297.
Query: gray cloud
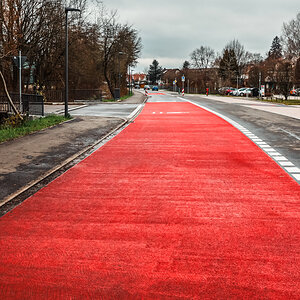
column 171, row 30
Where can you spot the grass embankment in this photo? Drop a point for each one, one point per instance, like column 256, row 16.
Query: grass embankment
column 8, row 132
column 121, row 99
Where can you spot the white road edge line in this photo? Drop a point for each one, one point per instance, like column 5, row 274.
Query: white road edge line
column 134, row 112
column 276, row 156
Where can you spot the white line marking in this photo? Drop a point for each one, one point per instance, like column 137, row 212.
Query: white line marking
column 293, row 169
column 280, row 158
column 273, row 152
column 286, row 163
column 297, row 176
column 261, row 143
column 135, row 111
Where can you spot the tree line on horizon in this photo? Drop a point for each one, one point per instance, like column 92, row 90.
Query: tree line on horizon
column 235, row 66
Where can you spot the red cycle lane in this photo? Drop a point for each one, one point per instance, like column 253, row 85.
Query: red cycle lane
column 179, row 205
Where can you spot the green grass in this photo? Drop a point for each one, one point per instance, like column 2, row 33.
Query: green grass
column 287, row 102
column 282, row 101
column 122, row 98
column 29, row 126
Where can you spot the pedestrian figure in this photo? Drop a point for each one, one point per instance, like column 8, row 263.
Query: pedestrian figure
column 207, row 89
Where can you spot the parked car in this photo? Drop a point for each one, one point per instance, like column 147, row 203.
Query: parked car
column 223, row 90
column 147, row 87
column 137, row 86
column 155, row 88
column 247, row 92
column 241, row 92
column 295, row 92
column 256, row 92
column 234, row 92
column 231, row 91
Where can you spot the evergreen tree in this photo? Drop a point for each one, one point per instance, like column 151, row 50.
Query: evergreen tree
column 228, row 67
column 155, row 72
column 276, row 49
column 186, row 65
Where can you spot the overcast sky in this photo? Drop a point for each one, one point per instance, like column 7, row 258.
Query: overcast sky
column 171, row 30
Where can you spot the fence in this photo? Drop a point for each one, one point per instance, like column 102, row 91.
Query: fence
column 31, row 104
column 59, row 95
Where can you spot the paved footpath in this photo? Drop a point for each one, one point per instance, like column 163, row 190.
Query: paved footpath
column 179, row 205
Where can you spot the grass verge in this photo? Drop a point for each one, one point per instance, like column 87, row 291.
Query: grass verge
column 29, row 126
column 121, row 99
column 286, row 102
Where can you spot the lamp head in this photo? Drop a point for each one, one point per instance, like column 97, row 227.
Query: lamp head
column 67, row 9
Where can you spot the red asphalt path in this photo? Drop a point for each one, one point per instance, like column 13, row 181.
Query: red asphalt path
column 179, row 205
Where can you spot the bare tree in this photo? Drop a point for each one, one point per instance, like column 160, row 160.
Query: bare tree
column 203, row 57
column 284, row 77
column 242, row 56
column 291, row 38
column 36, row 27
column 121, row 47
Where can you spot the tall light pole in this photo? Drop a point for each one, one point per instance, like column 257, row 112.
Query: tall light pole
column 67, row 9
column 120, row 53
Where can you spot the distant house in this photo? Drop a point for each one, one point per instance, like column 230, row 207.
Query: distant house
column 137, row 78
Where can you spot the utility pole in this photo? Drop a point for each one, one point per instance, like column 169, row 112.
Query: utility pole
column 67, row 9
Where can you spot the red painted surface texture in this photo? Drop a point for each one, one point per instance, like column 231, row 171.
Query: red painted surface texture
column 176, row 206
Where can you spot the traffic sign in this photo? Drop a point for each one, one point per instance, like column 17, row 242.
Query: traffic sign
column 183, row 78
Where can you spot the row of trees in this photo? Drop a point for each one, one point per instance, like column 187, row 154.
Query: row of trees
column 98, row 51
column 279, row 68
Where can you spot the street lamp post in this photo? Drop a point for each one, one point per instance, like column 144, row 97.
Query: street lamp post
column 120, row 53
column 67, row 9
